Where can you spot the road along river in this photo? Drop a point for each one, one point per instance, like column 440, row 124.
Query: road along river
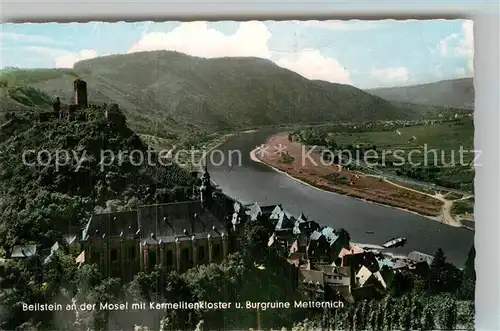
column 250, row 181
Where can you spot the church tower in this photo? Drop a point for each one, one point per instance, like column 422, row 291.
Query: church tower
column 206, row 189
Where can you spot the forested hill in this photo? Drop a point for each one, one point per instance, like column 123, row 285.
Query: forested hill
column 169, row 93
column 37, row 197
column 456, row 93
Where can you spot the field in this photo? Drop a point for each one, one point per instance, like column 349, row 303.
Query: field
column 32, row 76
column 445, row 138
column 440, row 153
column 463, row 207
column 333, row 178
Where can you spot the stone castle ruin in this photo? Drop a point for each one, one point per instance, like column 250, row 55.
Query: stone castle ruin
column 80, row 93
column 111, row 113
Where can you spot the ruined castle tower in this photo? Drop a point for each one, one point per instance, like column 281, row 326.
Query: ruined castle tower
column 80, row 93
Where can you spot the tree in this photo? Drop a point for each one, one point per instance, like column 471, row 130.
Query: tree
column 331, row 143
column 108, row 290
column 444, row 276
column 468, row 286
column 401, row 283
column 344, row 237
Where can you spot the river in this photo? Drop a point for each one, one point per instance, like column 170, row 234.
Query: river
column 250, row 181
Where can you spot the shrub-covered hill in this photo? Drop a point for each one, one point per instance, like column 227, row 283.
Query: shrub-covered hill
column 37, row 196
column 170, row 93
column 455, row 93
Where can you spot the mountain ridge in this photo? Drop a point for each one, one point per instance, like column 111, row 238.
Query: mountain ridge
column 458, row 93
column 173, row 92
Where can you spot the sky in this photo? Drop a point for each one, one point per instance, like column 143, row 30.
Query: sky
column 366, row 54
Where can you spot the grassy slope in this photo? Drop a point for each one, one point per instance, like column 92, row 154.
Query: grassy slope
column 446, row 139
column 458, row 93
column 443, row 137
column 169, row 94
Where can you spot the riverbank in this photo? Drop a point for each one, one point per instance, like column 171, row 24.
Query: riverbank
column 311, row 171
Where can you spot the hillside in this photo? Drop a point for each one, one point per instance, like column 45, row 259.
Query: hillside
column 171, row 94
column 38, row 197
column 457, row 93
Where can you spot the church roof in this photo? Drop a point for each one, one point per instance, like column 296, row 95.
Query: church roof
column 165, row 221
column 168, row 221
column 111, row 224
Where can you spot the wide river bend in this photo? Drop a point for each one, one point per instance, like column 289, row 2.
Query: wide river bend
column 250, row 182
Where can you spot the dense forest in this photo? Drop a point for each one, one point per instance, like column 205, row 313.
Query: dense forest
column 42, row 197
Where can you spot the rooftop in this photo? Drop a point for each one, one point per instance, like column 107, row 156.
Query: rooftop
column 22, row 251
column 162, row 221
column 284, row 222
column 311, row 277
column 111, row 224
column 420, row 257
column 257, row 210
column 168, row 221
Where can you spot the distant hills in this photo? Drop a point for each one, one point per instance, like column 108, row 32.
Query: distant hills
column 457, row 93
column 170, row 93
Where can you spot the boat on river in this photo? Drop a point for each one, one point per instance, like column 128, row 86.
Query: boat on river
column 395, row 242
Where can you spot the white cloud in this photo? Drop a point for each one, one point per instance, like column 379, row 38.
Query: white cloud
column 197, row 39
column 466, row 45
column 443, row 44
column 313, row 65
column 68, row 60
column 461, row 72
column 351, row 25
column 463, row 48
column 391, row 76
column 250, row 39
